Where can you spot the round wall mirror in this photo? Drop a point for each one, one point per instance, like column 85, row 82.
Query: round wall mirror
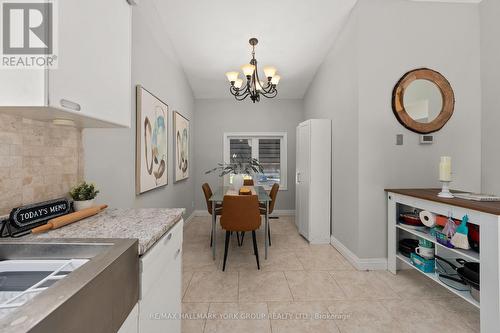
column 423, row 101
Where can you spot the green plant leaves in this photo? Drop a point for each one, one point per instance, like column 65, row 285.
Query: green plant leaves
column 84, row 191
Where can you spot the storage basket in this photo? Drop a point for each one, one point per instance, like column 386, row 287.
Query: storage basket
column 425, row 265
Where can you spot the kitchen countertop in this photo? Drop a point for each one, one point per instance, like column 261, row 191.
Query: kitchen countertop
column 148, row 225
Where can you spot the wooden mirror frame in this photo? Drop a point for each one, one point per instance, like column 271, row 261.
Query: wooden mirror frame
column 446, row 92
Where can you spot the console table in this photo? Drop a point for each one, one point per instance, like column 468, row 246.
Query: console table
column 484, row 214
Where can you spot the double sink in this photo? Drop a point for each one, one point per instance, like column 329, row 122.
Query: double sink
column 70, row 285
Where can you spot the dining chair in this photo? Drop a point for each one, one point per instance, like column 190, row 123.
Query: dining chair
column 240, row 214
column 262, row 208
column 207, row 191
column 248, row 182
column 273, row 194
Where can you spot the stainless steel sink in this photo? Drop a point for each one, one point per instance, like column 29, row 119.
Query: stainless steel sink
column 70, row 285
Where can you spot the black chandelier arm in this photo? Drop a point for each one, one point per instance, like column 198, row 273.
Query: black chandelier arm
column 271, row 94
column 239, row 94
column 238, row 91
column 270, row 88
column 241, row 97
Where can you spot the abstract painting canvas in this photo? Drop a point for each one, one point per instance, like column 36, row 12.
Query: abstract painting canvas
column 151, row 142
column 181, row 137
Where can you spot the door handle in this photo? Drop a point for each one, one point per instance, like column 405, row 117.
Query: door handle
column 297, row 178
column 169, row 237
column 70, row 105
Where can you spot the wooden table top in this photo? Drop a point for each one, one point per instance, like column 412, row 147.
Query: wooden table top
column 431, row 195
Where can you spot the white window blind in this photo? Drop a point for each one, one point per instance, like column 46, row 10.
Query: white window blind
column 268, row 148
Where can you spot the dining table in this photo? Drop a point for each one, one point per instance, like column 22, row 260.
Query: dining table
column 218, row 197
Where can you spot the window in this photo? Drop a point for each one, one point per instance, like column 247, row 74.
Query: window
column 269, row 148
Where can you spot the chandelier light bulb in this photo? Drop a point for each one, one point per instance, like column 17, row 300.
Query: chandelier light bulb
column 248, row 69
column 232, row 76
column 269, row 71
column 238, row 83
column 276, row 79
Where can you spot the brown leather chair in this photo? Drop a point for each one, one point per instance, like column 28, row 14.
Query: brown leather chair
column 207, row 191
column 273, row 194
column 240, row 214
column 248, row 182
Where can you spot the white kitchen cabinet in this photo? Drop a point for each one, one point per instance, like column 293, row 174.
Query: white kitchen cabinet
column 161, row 285
column 92, row 82
column 313, row 180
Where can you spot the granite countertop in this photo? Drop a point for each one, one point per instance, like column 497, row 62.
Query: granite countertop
column 148, row 225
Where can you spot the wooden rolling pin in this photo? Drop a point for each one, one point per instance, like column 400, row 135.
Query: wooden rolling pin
column 61, row 221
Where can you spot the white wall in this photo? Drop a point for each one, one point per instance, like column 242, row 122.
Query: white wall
column 490, row 76
column 395, row 36
column 216, row 116
column 334, row 94
column 110, row 153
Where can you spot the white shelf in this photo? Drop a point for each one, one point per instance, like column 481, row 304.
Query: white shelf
column 469, row 254
column 463, row 294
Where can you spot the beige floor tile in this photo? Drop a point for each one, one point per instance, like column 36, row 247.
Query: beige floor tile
column 441, row 326
column 213, row 287
column 281, row 260
column 282, row 226
column 313, row 286
column 238, row 261
column 200, row 260
column 322, row 258
column 194, row 317
column 186, row 278
column 363, row 285
column 466, row 311
column 289, row 242
column 412, row 284
column 354, row 316
column 299, row 317
column 299, row 279
column 238, row 317
column 263, row 286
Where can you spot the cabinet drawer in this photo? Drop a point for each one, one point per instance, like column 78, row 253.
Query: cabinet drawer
column 153, row 263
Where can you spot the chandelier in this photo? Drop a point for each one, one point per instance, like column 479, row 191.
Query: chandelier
column 253, row 87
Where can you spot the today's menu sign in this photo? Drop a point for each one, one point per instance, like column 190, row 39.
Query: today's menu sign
column 35, row 213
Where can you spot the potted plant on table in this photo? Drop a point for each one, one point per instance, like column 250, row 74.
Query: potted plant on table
column 238, row 167
column 83, row 195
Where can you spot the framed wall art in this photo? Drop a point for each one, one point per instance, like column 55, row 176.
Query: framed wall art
column 151, row 141
column 181, row 147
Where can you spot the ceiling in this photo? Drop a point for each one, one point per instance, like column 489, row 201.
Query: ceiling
column 211, row 38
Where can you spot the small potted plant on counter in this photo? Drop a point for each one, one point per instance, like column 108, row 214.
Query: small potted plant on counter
column 83, row 195
column 238, row 168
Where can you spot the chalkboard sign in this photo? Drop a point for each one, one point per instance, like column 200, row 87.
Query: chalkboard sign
column 33, row 214
column 22, row 219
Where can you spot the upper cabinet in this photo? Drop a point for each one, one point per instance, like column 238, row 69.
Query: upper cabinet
column 91, row 84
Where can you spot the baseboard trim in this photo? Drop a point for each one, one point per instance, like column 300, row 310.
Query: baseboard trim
column 370, row 264
column 283, row 212
column 190, row 218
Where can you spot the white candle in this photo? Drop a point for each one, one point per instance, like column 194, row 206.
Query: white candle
column 445, row 169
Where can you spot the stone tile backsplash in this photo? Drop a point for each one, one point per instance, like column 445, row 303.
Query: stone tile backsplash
column 38, row 161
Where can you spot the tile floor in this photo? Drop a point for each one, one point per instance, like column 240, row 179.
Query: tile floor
column 303, row 288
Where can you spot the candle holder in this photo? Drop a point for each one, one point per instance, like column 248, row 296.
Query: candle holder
column 445, row 190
